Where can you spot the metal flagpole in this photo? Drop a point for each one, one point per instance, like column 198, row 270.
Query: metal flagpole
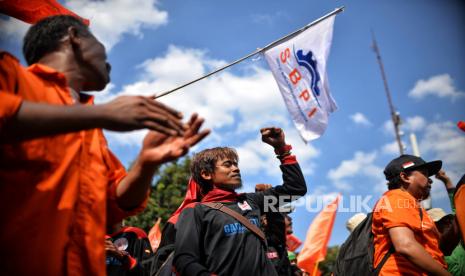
column 259, row 50
column 394, row 114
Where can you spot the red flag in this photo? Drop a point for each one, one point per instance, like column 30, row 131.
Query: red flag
column 155, row 235
column 318, row 234
column 461, row 125
column 31, row 11
column 292, row 242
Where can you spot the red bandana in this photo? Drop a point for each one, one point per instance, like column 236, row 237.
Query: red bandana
column 194, row 196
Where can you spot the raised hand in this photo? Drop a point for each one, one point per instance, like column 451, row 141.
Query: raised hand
column 273, row 136
column 159, row 148
column 441, row 175
column 137, row 112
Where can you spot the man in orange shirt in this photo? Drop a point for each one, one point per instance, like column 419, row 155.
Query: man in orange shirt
column 58, row 192
column 400, row 223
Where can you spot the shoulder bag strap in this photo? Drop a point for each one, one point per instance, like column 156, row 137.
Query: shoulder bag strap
column 220, row 207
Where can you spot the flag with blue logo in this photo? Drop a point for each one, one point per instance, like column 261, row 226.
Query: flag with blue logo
column 299, row 67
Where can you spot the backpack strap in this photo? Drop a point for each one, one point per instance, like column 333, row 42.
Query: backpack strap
column 168, row 261
column 385, row 258
column 220, row 207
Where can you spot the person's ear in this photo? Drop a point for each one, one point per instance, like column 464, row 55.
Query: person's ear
column 404, row 177
column 74, row 37
column 206, row 175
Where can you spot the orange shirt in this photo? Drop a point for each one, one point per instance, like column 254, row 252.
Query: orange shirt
column 54, row 191
column 459, row 202
column 397, row 208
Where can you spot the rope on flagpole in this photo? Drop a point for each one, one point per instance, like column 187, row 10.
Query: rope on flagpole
column 259, row 50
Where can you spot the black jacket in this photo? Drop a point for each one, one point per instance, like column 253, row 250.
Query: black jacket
column 209, row 241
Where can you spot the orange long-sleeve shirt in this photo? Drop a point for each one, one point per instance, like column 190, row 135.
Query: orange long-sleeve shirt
column 57, row 193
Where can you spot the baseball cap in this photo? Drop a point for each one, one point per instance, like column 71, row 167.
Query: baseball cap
column 408, row 163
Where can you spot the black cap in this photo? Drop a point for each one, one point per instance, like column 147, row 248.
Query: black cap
column 408, row 163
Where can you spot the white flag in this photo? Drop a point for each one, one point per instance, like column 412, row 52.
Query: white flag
column 299, row 67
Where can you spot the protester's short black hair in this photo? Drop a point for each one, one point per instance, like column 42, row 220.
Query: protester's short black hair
column 206, row 161
column 396, row 182
column 44, row 36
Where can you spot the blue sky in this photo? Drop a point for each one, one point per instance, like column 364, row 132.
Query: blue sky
column 157, row 45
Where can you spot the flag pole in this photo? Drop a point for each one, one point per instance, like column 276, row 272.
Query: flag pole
column 259, row 50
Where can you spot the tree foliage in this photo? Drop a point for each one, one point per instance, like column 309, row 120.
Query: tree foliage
column 166, row 195
column 326, row 266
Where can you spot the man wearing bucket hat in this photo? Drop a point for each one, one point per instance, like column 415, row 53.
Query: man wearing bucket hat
column 402, row 226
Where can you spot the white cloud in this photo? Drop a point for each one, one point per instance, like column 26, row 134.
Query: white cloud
column 388, row 127
column 360, row 165
column 109, row 19
column 440, row 86
column 414, row 124
column 410, row 124
column 131, row 138
column 246, row 102
column 13, row 28
column 360, row 119
column 445, row 142
column 391, row 149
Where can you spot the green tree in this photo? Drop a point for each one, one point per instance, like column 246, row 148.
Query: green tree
column 166, row 195
column 326, row 266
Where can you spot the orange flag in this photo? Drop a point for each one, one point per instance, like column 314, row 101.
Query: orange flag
column 31, row 11
column 155, row 235
column 318, row 234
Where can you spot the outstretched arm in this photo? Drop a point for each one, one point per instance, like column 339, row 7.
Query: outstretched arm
column 31, row 120
column 157, row 149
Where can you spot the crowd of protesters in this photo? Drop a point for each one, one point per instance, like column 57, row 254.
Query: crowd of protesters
column 61, row 187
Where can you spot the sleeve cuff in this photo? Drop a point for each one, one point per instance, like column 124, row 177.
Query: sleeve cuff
column 284, row 155
column 288, row 160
